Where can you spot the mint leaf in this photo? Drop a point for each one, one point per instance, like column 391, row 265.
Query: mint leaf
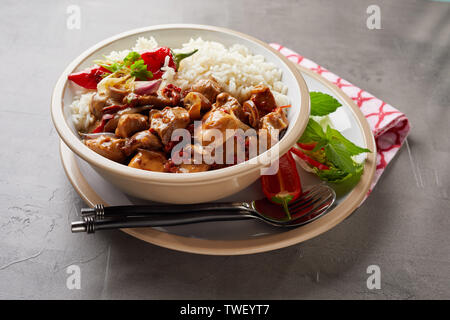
column 352, row 149
column 337, row 154
column 320, row 145
column 331, row 175
column 322, row 104
column 338, row 151
column 313, row 132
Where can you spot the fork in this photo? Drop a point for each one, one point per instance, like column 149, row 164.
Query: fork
column 311, row 205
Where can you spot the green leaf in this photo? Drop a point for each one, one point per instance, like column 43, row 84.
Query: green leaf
column 130, row 58
column 322, row 104
column 352, row 149
column 341, row 182
column 339, row 157
column 111, row 67
column 139, row 70
column 338, row 150
column 331, row 175
column 321, row 144
column 312, row 133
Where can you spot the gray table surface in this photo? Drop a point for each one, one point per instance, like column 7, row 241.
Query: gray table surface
column 403, row 227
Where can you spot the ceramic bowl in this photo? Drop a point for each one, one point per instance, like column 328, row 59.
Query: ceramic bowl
column 183, row 187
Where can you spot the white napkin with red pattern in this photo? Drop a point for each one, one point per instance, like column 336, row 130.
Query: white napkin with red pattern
column 390, row 126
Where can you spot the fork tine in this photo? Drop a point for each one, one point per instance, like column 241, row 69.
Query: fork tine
column 320, row 204
column 310, row 218
column 302, row 202
column 307, row 195
column 311, row 207
column 325, row 198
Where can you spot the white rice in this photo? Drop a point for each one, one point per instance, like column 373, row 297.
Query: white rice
column 81, row 115
column 235, row 69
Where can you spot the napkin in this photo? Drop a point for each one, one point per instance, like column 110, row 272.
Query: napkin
column 390, row 126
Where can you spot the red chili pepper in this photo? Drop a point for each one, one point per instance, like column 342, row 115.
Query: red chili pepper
column 105, row 119
column 307, row 146
column 308, row 159
column 88, row 78
column 156, row 58
column 114, row 108
column 284, row 186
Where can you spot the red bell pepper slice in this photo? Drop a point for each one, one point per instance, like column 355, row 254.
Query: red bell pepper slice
column 114, row 108
column 88, row 78
column 308, row 159
column 105, row 119
column 284, row 186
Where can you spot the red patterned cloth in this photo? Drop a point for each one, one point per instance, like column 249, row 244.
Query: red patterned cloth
column 390, row 127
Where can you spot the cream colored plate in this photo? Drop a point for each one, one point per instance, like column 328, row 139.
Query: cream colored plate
column 239, row 237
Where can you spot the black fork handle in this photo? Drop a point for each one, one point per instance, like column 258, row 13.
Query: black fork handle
column 90, row 224
column 101, row 212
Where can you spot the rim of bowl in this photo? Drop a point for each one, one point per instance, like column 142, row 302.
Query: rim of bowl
column 75, row 144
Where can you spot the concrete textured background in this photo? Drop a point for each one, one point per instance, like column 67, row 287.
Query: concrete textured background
column 403, row 227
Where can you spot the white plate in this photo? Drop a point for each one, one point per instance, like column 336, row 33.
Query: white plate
column 240, row 237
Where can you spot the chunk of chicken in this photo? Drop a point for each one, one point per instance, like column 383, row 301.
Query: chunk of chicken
column 164, row 122
column 108, row 147
column 271, row 126
column 157, row 101
column 263, row 99
column 229, row 104
column 148, row 160
column 142, row 140
column 111, row 125
column 129, row 124
column 195, row 103
column 117, row 94
column 169, row 96
column 220, row 120
column 97, row 104
column 207, row 87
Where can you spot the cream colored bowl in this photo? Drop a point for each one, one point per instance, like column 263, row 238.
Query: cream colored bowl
column 181, row 187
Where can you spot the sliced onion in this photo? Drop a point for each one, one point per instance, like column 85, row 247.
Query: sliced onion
column 146, row 87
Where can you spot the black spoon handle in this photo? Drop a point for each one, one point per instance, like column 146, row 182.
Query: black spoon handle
column 90, row 224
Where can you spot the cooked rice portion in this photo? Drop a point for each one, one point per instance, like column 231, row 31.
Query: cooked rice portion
column 235, row 68
column 81, row 115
